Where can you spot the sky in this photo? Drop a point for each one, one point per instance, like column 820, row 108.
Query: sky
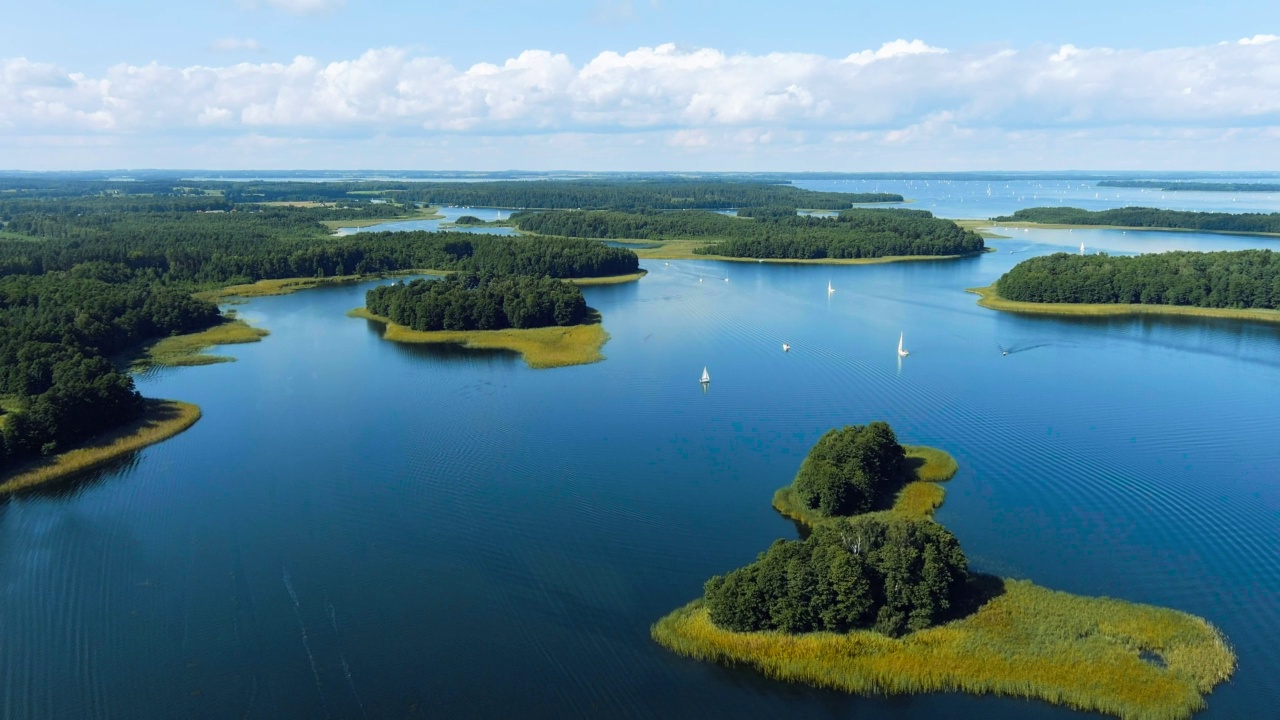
column 650, row 85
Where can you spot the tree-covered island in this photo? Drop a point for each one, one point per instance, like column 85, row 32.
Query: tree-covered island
column 1237, row 284
column 1145, row 218
column 878, row 599
column 768, row 233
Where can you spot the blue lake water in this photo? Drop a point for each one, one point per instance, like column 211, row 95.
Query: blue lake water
column 450, row 215
column 361, row 529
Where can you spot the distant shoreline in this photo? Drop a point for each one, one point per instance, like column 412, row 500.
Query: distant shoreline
column 1062, row 226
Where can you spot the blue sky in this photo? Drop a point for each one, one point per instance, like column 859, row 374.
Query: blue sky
column 641, row 84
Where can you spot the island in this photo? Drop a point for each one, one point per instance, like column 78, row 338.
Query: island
column 879, row 599
column 545, row 320
column 1145, row 218
column 1242, row 284
column 766, row 234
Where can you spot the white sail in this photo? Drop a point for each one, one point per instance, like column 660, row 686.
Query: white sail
column 829, row 288
column 786, row 347
column 901, row 352
column 1081, row 248
column 705, row 377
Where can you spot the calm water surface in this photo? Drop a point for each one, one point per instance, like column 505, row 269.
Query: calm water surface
column 360, row 529
column 451, row 214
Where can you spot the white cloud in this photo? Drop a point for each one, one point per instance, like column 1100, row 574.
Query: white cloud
column 1259, row 39
column 299, row 7
column 230, row 44
column 903, row 94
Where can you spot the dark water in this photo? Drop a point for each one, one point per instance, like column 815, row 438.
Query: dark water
column 359, row 529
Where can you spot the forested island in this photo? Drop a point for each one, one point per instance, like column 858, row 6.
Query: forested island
column 879, row 599
column 1150, row 218
column 1240, row 284
column 1190, row 186
column 770, row 232
column 479, row 302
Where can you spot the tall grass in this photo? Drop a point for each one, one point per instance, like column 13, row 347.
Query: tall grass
column 1010, row 637
column 186, row 350
column 161, row 420
column 1086, row 653
column 544, row 347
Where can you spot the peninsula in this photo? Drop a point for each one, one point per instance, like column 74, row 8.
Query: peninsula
column 1145, row 218
column 879, row 599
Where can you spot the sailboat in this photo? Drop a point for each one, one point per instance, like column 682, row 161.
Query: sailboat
column 705, row 377
column 829, row 288
column 901, row 352
column 1081, row 248
column 786, row 347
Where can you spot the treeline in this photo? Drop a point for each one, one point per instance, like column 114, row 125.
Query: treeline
column 851, row 470
column 893, row 576
column 769, row 232
column 57, row 331
column 1239, row 279
column 1145, row 217
column 479, row 302
column 213, row 248
column 1188, row 186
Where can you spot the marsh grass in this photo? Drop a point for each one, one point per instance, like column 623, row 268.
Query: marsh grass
column 1026, row 641
column 161, row 420
column 989, row 297
column 188, row 350
column 607, row 280
column 1006, row 637
column 545, row 347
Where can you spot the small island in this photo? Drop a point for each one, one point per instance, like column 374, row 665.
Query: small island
column 1242, row 285
column 879, row 600
column 767, row 234
column 544, row 319
column 1145, row 218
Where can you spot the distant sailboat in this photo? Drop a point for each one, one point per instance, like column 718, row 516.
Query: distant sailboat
column 1081, row 248
column 705, row 377
column 786, row 347
column 829, row 288
column 901, row 352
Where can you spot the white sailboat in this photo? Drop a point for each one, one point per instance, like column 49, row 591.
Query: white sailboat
column 1081, row 248
column 901, row 352
column 786, row 347
column 705, row 377
column 829, row 288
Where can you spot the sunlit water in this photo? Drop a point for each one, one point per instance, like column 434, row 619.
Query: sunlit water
column 361, row 529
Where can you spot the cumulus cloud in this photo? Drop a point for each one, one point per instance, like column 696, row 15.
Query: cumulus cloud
column 230, row 44
column 903, row 91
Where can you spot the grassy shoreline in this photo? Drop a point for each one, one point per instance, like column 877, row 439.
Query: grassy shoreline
column 607, row 280
column 1013, row 638
column 161, row 420
column 189, row 350
column 989, row 297
column 541, row 348
column 1067, row 226
column 429, row 213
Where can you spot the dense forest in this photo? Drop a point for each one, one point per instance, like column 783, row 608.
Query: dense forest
column 479, row 302
column 1239, row 279
column 56, row 333
column 851, row 470
column 891, row 575
column 1188, row 186
column 770, row 232
column 1150, row 218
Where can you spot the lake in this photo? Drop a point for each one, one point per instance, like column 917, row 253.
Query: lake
column 361, row 529
column 450, row 214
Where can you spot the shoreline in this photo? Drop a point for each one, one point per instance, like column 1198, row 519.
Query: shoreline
column 685, row 252
column 190, row 350
column 1006, row 637
column 988, row 297
column 540, row 348
column 161, row 420
column 1066, row 226
column 427, row 213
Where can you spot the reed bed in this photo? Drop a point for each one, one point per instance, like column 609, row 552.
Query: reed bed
column 545, row 347
column 188, row 350
column 1109, row 656
column 161, row 420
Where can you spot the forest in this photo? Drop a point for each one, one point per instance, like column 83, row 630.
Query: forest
column 479, row 302
column 851, row 470
column 57, row 333
column 891, row 575
column 1237, row 279
column 1145, row 217
column 1189, row 186
column 770, row 232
